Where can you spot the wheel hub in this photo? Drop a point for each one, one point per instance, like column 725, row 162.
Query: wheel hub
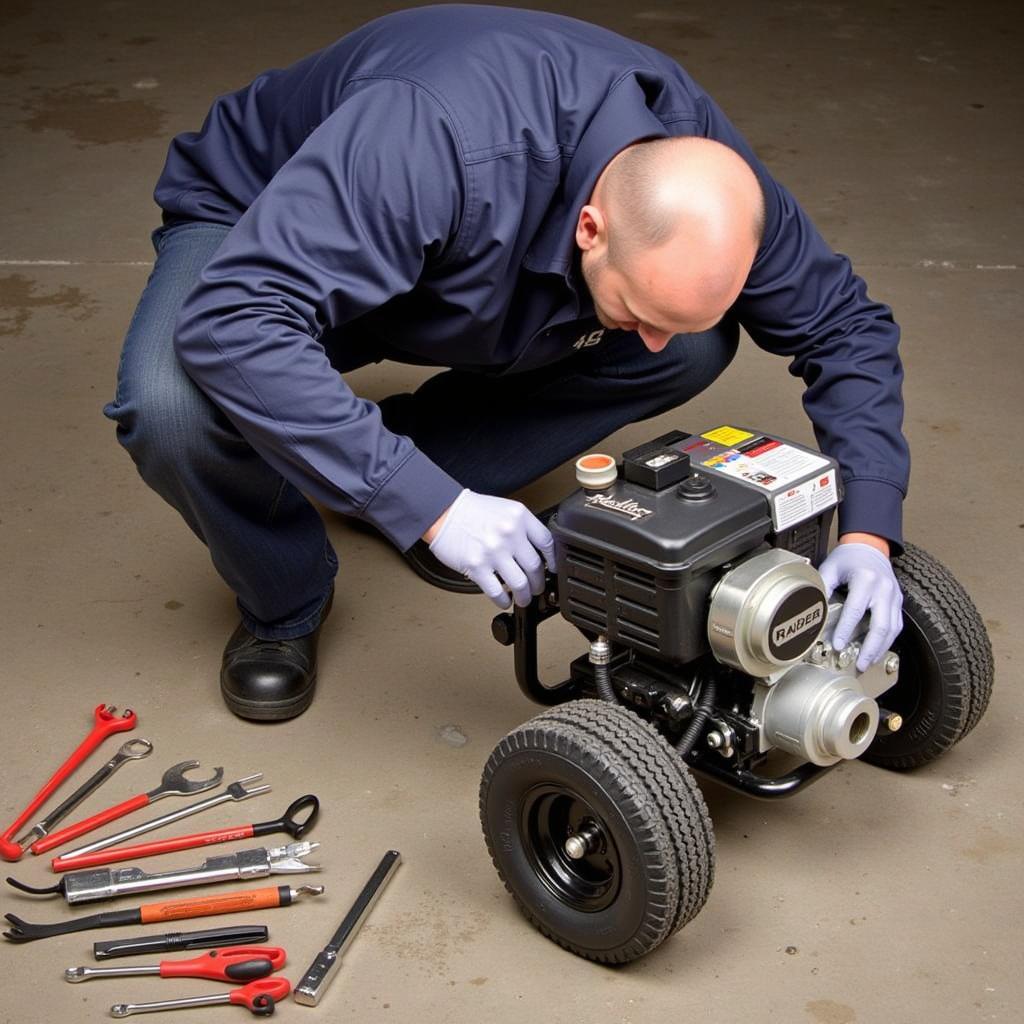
column 569, row 848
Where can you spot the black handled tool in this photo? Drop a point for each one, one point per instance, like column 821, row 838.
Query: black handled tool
column 170, row 942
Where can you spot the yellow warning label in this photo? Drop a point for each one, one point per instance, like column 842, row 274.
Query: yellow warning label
column 727, row 435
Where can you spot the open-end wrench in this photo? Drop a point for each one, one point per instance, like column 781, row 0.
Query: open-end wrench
column 288, row 822
column 173, row 783
column 235, row 791
column 105, row 723
column 130, row 751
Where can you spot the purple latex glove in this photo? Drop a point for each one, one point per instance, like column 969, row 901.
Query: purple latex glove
column 495, row 541
column 870, row 586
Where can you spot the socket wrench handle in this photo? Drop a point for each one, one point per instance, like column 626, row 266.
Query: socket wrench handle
column 105, row 723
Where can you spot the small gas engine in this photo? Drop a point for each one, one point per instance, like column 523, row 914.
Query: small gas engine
column 690, row 568
column 697, row 565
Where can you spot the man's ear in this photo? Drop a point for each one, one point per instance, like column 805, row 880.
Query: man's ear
column 591, row 229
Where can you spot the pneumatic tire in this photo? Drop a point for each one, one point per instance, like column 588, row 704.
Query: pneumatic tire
column 595, row 770
column 946, row 667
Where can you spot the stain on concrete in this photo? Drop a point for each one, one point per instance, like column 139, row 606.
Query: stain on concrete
column 173, row 605
column 825, row 1011
column 991, row 845
column 93, row 115
column 15, row 65
column 12, row 10
column 48, row 37
column 140, row 41
column 431, row 935
column 478, row 981
column 19, row 297
column 674, row 24
column 452, row 735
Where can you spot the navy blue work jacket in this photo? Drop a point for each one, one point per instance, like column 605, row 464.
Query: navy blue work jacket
column 420, row 181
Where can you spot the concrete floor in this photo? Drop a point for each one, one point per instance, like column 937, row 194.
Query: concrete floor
column 871, row 897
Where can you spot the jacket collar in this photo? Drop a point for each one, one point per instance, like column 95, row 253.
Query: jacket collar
column 622, row 119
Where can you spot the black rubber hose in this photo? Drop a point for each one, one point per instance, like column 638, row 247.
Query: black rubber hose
column 603, row 679
column 700, row 716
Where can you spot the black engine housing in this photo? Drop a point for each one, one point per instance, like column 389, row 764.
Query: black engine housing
column 638, row 558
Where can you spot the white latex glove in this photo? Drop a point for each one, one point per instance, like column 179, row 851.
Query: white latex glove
column 870, row 586
column 497, row 543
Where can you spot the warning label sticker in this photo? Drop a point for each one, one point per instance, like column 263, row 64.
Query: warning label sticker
column 798, row 483
column 727, row 435
column 805, row 500
column 768, row 464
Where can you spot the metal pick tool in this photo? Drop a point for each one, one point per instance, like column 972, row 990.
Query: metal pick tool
column 314, row 982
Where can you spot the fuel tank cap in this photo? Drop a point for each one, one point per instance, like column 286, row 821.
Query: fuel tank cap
column 596, row 471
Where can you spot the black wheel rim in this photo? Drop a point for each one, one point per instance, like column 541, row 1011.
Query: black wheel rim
column 549, row 815
column 917, row 672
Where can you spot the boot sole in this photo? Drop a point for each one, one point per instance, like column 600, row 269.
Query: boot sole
column 269, row 711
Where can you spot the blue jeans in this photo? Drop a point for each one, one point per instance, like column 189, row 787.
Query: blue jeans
column 494, row 434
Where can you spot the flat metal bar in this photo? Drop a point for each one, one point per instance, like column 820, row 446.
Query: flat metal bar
column 314, row 983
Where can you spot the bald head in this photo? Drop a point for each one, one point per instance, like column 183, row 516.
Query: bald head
column 679, row 221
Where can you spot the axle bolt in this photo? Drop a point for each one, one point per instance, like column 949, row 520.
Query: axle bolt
column 715, row 740
column 584, row 842
column 576, row 847
column 892, row 664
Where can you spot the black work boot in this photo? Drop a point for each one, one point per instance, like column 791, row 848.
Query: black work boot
column 270, row 680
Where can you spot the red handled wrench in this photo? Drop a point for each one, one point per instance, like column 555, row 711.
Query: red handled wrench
column 106, row 722
column 173, row 783
column 258, row 997
column 239, row 963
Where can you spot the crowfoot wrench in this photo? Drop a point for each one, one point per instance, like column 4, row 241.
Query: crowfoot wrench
column 105, row 723
column 235, row 791
column 130, row 751
column 173, row 783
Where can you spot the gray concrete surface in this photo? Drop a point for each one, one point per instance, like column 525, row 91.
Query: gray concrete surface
column 872, row 898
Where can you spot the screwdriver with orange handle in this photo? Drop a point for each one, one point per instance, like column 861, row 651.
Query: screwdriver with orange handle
column 173, row 910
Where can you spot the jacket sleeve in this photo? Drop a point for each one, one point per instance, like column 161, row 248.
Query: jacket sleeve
column 345, row 225
column 803, row 301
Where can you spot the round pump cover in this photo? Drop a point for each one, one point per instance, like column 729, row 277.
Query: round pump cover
column 767, row 612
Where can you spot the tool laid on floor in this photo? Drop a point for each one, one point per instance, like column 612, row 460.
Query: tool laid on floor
column 235, row 791
column 321, row 971
column 108, row 883
column 105, row 723
column 171, row 942
column 240, row 963
column 173, row 783
column 133, row 750
column 286, row 823
column 203, row 906
column 259, row 997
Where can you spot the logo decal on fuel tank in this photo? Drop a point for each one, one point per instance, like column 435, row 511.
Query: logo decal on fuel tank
column 626, row 506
